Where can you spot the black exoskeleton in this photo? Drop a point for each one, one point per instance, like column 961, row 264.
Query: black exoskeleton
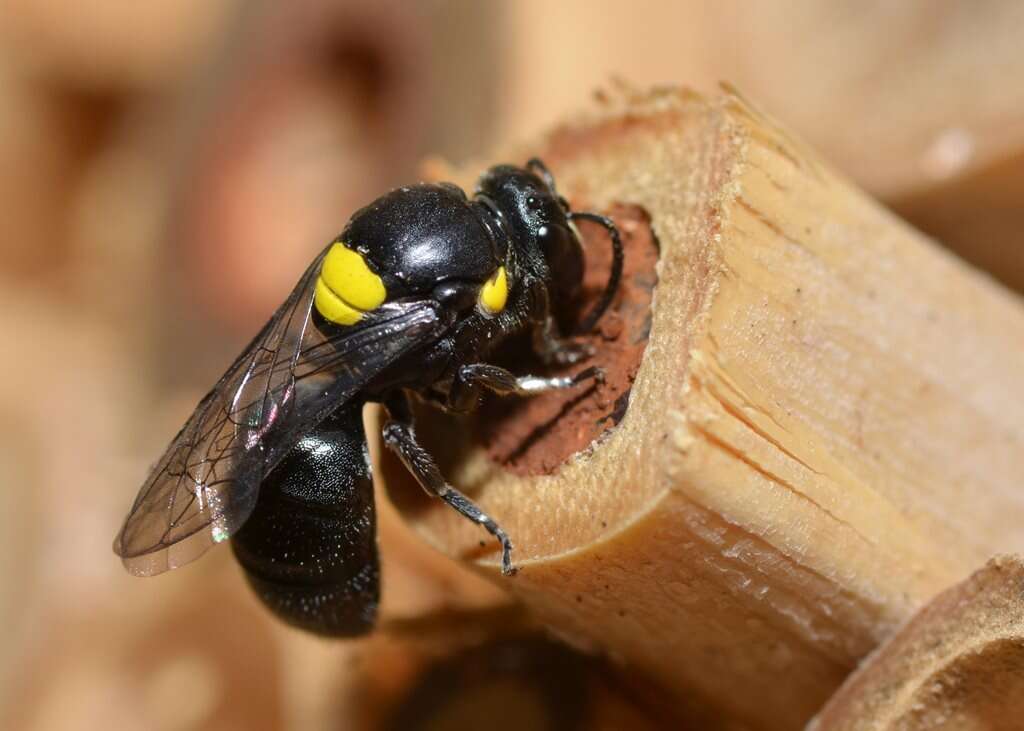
column 411, row 298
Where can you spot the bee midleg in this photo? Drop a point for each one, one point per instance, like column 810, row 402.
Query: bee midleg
column 471, row 379
column 400, row 436
column 554, row 349
column 309, row 549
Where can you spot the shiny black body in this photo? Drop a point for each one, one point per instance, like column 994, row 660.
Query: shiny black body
column 309, row 548
column 275, row 456
column 418, row 236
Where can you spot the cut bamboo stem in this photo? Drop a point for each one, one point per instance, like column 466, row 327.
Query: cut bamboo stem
column 826, row 430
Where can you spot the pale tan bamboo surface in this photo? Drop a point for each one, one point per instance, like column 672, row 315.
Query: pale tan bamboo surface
column 827, row 428
column 958, row 664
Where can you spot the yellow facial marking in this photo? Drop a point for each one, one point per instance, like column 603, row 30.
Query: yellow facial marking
column 346, row 287
column 494, row 293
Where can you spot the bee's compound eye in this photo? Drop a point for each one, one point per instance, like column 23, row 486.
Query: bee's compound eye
column 494, row 293
column 346, row 287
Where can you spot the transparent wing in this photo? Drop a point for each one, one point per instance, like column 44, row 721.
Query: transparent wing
column 289, row 378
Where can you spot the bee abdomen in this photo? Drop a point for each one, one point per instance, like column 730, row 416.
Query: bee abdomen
column 309, row 548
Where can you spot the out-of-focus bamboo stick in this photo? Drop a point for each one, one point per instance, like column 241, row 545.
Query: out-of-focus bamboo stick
column 959, row 664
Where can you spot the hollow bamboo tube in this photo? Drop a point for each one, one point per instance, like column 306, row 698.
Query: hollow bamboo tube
column 826, row 430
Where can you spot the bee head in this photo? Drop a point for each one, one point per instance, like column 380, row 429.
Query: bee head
column 540, row 223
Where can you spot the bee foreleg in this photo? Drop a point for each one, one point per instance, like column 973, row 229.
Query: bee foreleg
column 470, row 379
column 400, row 436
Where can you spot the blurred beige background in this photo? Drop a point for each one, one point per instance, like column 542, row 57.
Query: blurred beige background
column 167, row 169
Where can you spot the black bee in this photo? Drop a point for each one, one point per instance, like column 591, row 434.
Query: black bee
column 414, row 294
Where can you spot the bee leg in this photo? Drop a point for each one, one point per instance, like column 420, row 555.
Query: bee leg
column 555, row 350
column 471, row 379
column 400, row 436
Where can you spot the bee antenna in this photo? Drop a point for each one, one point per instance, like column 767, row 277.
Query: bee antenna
column 536, row 164
column 613, row 278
